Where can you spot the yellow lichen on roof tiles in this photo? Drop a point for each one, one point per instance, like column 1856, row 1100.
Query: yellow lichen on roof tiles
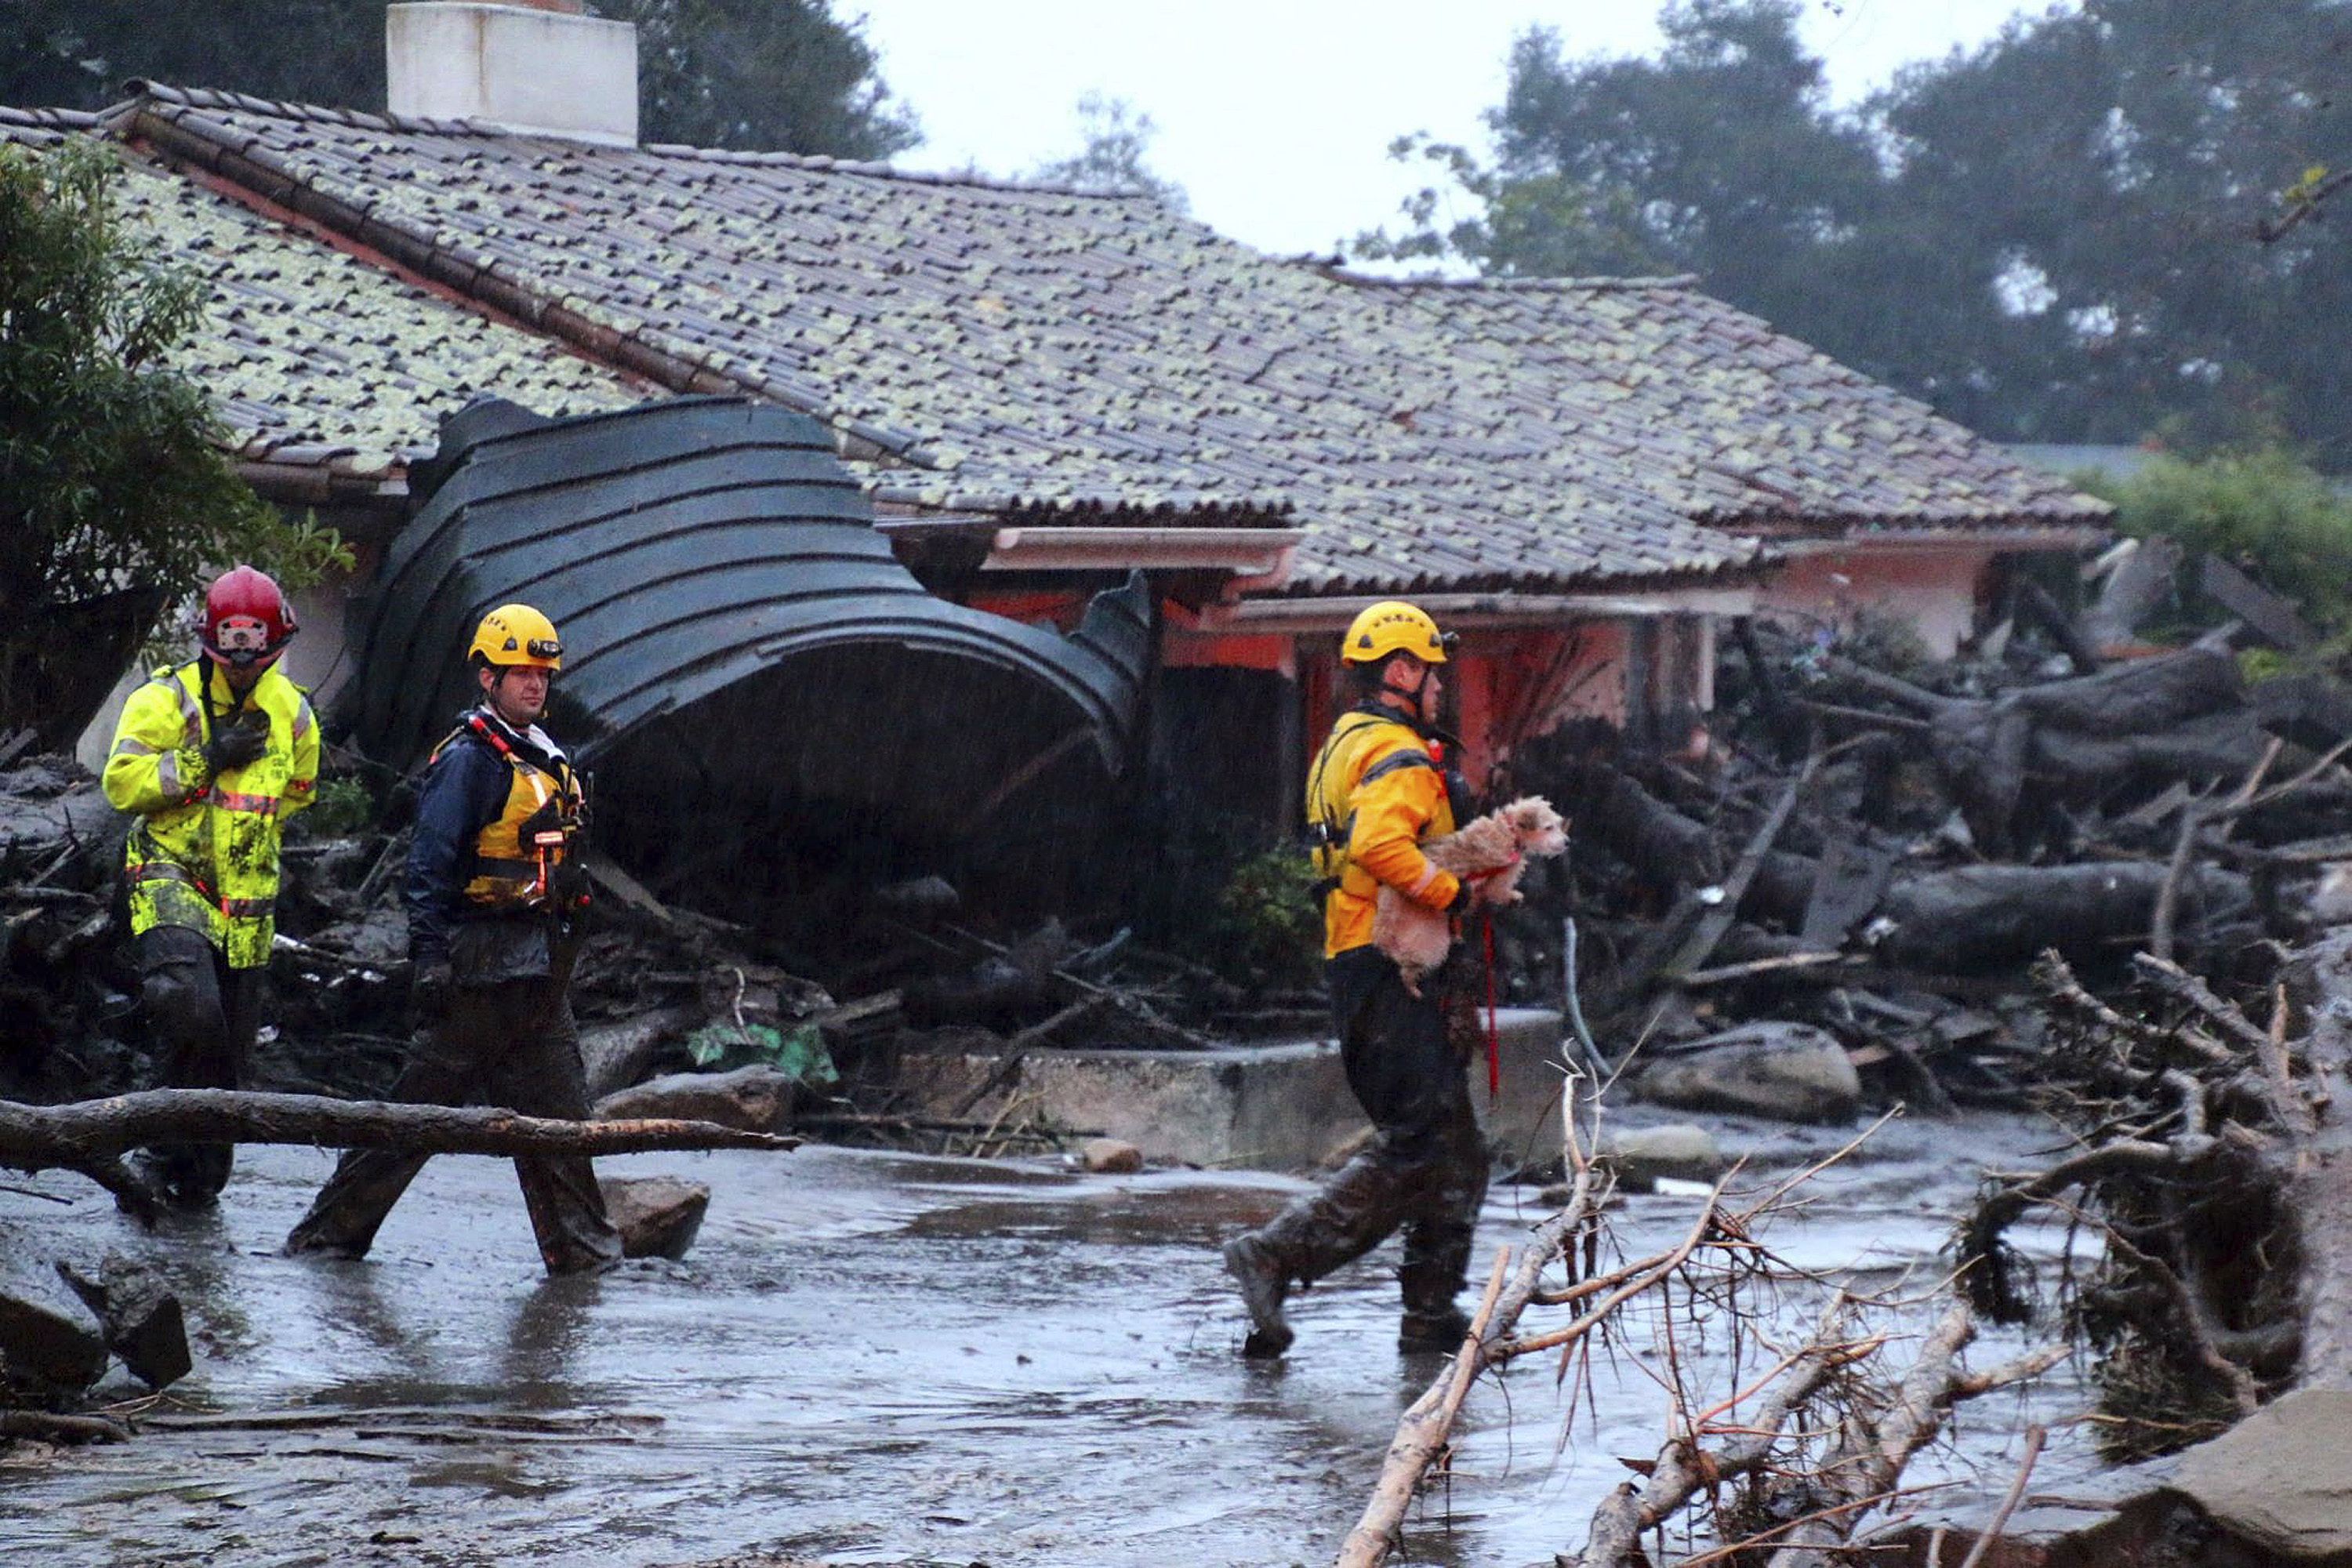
column 1052, row 344
column 305, row 346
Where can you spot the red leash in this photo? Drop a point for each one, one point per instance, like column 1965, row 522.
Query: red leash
column 1494, row 1035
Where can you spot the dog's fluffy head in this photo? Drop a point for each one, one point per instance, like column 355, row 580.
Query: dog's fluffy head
column 1536, row 829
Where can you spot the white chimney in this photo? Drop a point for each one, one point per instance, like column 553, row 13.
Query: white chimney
column 527, row 65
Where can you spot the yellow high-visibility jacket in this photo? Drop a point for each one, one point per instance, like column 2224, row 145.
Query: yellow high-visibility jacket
column 1377, row 791
column 204, row 853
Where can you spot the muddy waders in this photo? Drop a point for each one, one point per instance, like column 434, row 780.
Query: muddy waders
column 201, row 1017
column 1424, row 1170
column 509, row 1043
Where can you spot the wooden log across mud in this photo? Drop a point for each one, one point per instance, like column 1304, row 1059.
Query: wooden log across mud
column 88, row 1136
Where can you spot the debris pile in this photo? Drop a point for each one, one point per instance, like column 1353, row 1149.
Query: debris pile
column 1880, row 858
column 2207, row 1160
column 720, row 1015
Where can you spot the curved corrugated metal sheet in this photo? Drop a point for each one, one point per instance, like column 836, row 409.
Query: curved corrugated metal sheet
column 741, row 646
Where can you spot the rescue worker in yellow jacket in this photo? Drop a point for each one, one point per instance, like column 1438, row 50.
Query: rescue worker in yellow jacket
column 493, row 895
column 1379, row 788
column 210, row 758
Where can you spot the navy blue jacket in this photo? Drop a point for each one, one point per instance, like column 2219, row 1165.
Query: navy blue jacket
column 463, row 792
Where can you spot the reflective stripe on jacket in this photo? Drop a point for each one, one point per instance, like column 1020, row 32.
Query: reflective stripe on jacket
column 1376, row 787
column 203, row 852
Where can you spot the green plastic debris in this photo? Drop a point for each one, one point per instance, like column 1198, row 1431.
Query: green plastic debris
column 800, row 1055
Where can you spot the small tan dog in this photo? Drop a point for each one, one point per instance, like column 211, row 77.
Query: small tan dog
column 1490, row 854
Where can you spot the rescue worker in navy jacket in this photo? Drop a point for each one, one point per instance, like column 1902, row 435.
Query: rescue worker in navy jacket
column 491, row 896
column 1377, row 791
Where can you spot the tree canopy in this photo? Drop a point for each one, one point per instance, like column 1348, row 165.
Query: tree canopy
column 777, row 74
column 116, row 496
column 1116, row 147
column 2058, row 236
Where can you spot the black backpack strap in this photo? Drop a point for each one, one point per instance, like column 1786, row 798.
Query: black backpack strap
column 1396, row 762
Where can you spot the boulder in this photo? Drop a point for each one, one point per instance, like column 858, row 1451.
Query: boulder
column 657, row 1216
column 2279, row 1479
column 754, row 1099
column 48, row 1350
column 1682, row 1150
column 1110, row 1156
column 139, row 1315
column 1790, row 1072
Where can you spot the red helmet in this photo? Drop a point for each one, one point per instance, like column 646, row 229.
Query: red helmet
column 247, row 618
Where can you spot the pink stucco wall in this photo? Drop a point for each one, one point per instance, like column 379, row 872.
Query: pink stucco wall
column 1933, row 589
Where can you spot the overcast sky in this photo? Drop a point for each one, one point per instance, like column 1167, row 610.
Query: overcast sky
column 1276, row 115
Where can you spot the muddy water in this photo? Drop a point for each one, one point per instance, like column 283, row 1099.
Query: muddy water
column 869, row 1359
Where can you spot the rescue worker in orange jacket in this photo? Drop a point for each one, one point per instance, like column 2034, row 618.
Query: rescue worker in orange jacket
column 492, row 894
column 211, row 759
column 1379, row 788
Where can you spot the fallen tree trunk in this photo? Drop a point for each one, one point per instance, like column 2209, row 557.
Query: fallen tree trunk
column 2317, row 1189
column 2182, row 715
column 1679, row 852
column 88, row 1136
column 1984, row 917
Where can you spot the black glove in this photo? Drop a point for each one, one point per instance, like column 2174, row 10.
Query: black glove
column 429, row 988
column 236, row 746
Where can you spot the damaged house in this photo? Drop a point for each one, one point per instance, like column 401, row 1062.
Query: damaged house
column 1039, row 392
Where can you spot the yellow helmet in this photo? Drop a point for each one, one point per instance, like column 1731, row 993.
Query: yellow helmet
column 515, row 635
column 1393, row 626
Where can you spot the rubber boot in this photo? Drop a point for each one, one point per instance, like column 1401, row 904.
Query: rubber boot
column 1440, row 1329
column 1263, row 1286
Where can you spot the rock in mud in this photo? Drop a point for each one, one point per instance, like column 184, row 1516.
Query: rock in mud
column 2278, row 1478
column 46, row 1349
column 1110, row 1156
column 1790, row 1072
column 1681, row 1149
column 657, row 1216
column 754, row 1099
column 139, row 1315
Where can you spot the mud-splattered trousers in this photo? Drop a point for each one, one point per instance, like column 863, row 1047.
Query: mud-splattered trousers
column 201, row 1015
column 509, row 1043
column 1424, row 1170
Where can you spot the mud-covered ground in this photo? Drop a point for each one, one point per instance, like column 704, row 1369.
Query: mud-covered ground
column 869, row 1359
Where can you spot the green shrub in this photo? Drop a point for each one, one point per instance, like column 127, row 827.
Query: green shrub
column 339, row 804
column 2261, row 510
column 1266, row 931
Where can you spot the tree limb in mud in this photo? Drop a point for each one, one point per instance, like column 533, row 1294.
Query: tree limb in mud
column 1848, row 1469
column 1684, row 1469
column 87, row 1136
column 1877, row 1435
column 1421, row 1438
column 2209, row 1160
column 45, row 1427
column 1422, row 1433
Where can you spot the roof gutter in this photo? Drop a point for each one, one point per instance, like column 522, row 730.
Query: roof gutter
column 1503, row 610
column 1912, row 541
column 1261, row 557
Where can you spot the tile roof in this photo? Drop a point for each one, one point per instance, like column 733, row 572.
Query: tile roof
column 1004, row 348
column 1712, row 409
column 314, row 356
